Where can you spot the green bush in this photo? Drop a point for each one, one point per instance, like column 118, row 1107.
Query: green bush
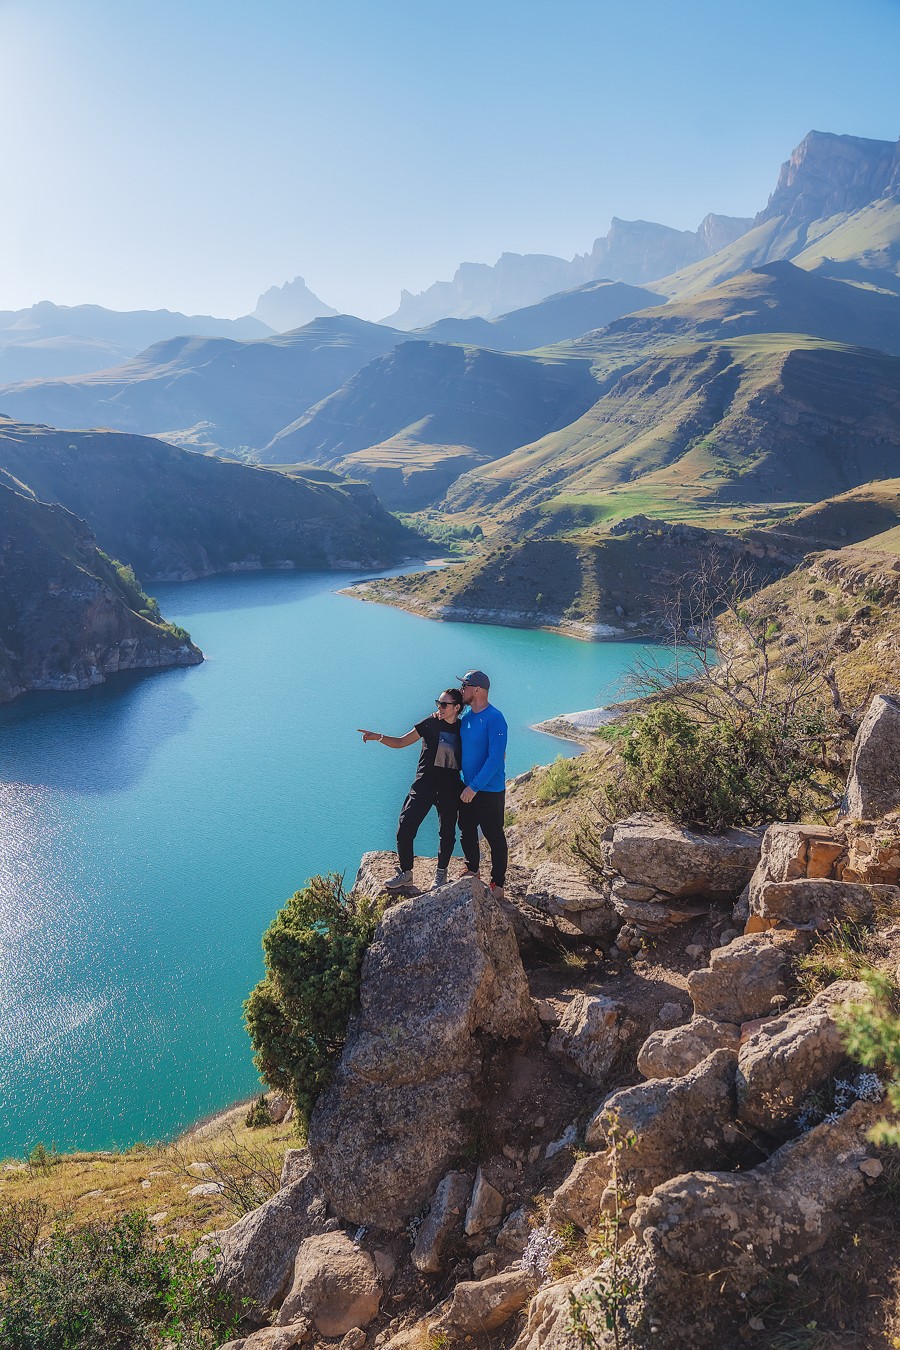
column 110, row 1286
column 297, row 1015
column 746, row 768
column 872, row 1035
column 556, row 782
column 258, row 1117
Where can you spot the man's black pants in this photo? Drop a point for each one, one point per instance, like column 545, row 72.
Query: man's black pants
column 486, row 809
column 419, row 802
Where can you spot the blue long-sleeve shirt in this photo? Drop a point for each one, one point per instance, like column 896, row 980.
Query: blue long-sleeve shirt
column 484, row 736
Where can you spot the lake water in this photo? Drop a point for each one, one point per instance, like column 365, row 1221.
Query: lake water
column 151, row 828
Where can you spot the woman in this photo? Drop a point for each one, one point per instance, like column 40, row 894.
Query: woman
column 437, row 783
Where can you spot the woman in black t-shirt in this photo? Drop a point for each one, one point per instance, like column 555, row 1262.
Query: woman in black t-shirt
column 437, row 783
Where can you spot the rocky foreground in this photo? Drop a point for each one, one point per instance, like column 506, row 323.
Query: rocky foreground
column 624, row 1146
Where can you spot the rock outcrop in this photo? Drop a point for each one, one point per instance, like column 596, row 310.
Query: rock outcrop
column 66, row 616
column 442, row 975
column 873, row 788
column 335, row 1286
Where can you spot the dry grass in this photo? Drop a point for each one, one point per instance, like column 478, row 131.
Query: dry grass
column 158, row 1177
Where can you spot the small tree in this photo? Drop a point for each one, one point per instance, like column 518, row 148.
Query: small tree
column 297, row 1015
column 872, row 1035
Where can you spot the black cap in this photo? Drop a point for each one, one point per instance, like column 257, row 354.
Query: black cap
column 475, row 677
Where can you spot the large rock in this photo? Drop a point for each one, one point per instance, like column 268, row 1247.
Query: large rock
column 788, row 1057
column 563, row 893
column 587, row 1038
column 671, row 1053
column 681, row 863
column 443, row 1222
column 792, row 851
column 756, row 1221
column 745, row 979
column 255, row 1257
column 335, row 1286
column 676, row 1125
column 479, row 1306
column 485, row 1208
column 873, row 787
column 818, row 903
column 442, row 975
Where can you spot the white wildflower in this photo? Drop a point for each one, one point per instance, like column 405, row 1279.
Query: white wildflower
column 542, row 1246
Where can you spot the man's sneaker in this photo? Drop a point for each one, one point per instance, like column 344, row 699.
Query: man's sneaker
column 496, row 891
column 398, row 882
column 440, row 877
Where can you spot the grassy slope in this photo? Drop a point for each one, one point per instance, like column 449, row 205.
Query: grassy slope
column 867, row 238
column 767, row 419
column 156, row 1177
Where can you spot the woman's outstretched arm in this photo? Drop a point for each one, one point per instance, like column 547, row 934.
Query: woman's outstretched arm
column 392, row 742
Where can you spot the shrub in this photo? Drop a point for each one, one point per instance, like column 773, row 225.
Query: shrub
column 297, row 1015
column 872, row 1035
column 557, row 782
column 111, row 1286
column 746, row 767
column 258, row 1116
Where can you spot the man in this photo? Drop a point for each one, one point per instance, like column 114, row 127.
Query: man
column 483, row 800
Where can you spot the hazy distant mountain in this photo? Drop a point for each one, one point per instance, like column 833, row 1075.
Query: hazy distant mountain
column 635, row 251
column 215, row 393
column 49, row 340
column 836, row 208
column 290, row 306
column 241, row 392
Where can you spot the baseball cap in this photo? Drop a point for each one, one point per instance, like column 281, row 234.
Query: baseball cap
column 476, row 677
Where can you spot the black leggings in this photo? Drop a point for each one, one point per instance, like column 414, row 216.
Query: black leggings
column 422, row 797
column 486, row 809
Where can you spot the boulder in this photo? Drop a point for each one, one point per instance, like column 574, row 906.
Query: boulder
column 255, row 1256
column 479, row 1306
column 442, row 976
column 669, row 1054
column 818, row 903
column 873, row 787
column 513, row 1236
column 335, row 1286
column 788, row 1057
column 676, row 1124
column 744, row 978
column 679, row 862
column 654, row 915
column 563, row 893
column 548, row 1323
column 297, row 1163
column 443, row 1220
column 276, row 1338
column 587, row 1038
column 752, row 1222
column 485, row 1208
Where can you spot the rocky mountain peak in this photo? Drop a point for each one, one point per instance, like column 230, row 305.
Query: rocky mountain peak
column 290, row 306
column 829, row 174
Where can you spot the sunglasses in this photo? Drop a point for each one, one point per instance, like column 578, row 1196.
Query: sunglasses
column 444, row 703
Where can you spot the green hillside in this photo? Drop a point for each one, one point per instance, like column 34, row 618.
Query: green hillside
column 413, row 420
column 172, row 514
column 761, row 419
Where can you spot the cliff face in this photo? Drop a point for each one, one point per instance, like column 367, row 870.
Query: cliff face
column 64, row 617
column 174, row 515
column 828, row 175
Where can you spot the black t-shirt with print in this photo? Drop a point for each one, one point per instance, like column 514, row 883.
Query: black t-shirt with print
column 441, row 754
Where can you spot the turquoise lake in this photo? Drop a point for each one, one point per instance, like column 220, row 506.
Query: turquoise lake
column 152, row 827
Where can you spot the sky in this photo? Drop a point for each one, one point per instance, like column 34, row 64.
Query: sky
column 188, row 154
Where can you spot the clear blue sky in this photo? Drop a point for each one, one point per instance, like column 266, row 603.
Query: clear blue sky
column 189, row 153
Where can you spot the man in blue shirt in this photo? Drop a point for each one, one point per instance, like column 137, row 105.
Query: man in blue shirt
column 483, row 732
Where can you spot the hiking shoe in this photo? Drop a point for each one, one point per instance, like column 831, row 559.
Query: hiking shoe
column 469, row 873
column 397, row 882
column 440, row 877
column 496, row 891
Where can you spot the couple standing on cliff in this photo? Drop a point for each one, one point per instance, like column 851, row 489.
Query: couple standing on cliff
column 462, row 772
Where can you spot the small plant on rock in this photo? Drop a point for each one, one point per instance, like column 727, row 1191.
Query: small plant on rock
column 605, row 1303
column 872, row 1035
column 297, row 1015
